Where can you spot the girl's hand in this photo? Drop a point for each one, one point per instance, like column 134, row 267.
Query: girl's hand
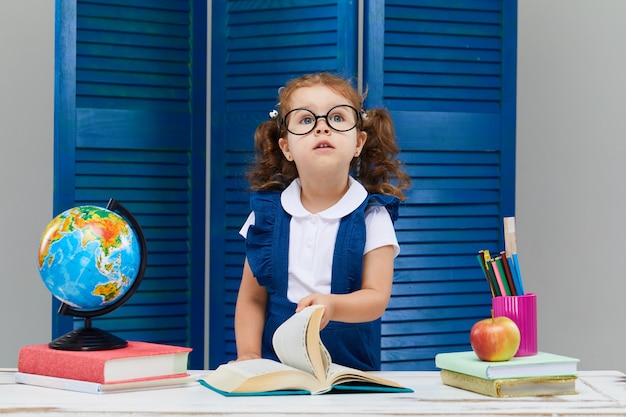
column 325, row 299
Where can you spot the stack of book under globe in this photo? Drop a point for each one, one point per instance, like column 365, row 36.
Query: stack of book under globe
column 140, row 365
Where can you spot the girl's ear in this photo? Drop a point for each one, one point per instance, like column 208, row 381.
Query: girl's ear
column 360, row 141
column 284, row 146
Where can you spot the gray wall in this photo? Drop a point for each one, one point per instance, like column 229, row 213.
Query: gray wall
column 571, row 165
column 571, row 147
column 26, row 142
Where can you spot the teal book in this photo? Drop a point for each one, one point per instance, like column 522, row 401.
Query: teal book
column 305, row 366
column 541, row 364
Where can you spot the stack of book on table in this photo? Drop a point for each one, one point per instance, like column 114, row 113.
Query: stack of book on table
column 540, row 374
column 140, row 365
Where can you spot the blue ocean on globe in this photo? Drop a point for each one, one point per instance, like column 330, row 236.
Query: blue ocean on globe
column 89, row 257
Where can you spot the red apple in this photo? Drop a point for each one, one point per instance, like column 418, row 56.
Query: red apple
column 495, row 339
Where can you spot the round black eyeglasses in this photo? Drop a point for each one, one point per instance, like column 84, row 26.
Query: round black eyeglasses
column 339, row 118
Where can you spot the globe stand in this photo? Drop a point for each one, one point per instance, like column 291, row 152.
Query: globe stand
column 90, row 338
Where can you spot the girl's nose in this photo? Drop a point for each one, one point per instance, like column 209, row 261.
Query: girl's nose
column 319, row 128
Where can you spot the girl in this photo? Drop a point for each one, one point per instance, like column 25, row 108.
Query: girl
column 321, row 229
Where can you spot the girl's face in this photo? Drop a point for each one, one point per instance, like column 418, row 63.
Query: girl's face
column 323, row 148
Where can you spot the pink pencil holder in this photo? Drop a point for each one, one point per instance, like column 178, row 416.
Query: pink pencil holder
column 522, row 309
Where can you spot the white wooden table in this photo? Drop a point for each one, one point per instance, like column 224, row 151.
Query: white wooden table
column 601, row 393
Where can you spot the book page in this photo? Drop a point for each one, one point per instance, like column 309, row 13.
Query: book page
column 295, row 334
column 339, row 374
column 318, row 354
column 259, row 375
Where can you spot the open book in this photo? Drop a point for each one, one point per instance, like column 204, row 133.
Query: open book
column 305, row 366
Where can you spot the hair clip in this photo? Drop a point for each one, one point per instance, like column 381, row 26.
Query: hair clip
column 364, row 115
column 274, row 113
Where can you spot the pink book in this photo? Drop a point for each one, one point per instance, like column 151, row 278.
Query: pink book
column 139, row 360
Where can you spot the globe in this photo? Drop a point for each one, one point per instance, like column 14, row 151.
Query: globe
column 91, row 259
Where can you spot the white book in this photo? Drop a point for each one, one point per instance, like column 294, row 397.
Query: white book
column 98, row 388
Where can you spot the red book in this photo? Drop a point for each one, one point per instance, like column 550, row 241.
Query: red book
column 139, row 360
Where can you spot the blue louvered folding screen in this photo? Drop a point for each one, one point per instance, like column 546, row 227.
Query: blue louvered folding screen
column 256, row 47
column 446, row 71
column 130, row 127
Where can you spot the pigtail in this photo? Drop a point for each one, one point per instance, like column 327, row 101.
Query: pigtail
column 270, row 170
column 377, row 167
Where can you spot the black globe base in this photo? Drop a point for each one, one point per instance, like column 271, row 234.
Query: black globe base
column 87, row 339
